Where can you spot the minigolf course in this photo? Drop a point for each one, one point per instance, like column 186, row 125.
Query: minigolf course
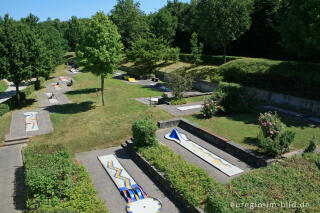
column 189, row 107
column 137, row 198
column 204, row 154
column 31, row 121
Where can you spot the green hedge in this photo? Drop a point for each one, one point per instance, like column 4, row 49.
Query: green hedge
column 293, row 180
column 192, row 182
column 292, row 78
column 55, row 183
column 12, row 103
column 144, row 132
column 210, row 59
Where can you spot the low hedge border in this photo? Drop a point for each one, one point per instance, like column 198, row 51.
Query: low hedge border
column 55, row 183
column 160, row 179
column 210, row 59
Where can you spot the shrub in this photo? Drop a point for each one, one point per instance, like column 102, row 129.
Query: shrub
column 270, row 125
column 179, row 84
column 312, row 145
column 209, row 59
column 277, row 76
column 273, row 137
column 212, row 105
column 178, row 101
column 144, row 132
column 53, row 182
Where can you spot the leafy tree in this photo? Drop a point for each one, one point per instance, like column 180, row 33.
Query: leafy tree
column 15, row 44
column 164, row 24
column 131, row 21
column 150, row 51
column 179, row 84
column 223, row 21
column 75, row 31
column 101, row 49
column 196, row 49
column 300, row 27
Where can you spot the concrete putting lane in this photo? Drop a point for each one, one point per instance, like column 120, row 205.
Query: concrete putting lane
column 106, row 188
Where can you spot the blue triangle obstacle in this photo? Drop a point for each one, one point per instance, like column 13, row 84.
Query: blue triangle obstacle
column 175, row 134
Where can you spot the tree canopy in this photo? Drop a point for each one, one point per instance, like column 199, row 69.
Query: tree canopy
column 100, row 49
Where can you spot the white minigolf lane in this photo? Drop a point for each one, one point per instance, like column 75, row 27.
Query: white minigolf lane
column 184, row 108
column 31, row 121
column 127, row 185
column 204, row 154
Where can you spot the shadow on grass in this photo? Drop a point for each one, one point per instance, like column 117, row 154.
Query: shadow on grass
column 83, row 91
column 72, row 108
column 19, row 189
column 25, row 103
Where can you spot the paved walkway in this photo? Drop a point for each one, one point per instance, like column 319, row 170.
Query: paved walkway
column 11, row 91
column 108, row 191
column 11, row 179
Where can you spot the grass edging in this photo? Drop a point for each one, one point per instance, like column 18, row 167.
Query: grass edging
column 161, row 180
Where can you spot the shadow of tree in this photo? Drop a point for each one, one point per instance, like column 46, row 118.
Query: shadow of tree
column 72, row 108
column 19, row 189
column 83, row 91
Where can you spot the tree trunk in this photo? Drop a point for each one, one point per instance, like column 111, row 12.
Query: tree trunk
column 102, row 88
column 37, row 86
column 17, row 93
column 225, row 53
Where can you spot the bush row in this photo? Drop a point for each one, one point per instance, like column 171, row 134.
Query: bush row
column 191, row 181
column 55, row 183
column 209, row 59
column 12, row 103
column 295, row 181
column 292, row 78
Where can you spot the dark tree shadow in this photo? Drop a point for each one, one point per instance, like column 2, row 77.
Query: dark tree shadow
column 25, row 103
column 83, row 91
column 72, row 108
column 19, row 189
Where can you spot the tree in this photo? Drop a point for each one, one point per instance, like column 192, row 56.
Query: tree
column 164, row 24
column 300, row 27
column 15, row 44
column 196, row 49
column 101, row 49
column 130, row 20
column 179, row 84
column 149, row 51
column 223, row 21
column 75, row 31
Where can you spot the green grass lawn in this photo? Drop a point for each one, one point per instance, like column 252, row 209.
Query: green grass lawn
column 243, row 128
column 3, row 86
column 85, row 125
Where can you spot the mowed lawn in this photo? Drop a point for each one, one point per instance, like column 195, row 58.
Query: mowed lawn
column 243, row 128
column 85, row 124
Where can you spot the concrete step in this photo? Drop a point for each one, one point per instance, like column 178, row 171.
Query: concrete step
column 16, row 142
column 11, row 139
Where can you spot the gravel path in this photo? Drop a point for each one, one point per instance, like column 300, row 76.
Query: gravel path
column 108, row 191
column 11, row 179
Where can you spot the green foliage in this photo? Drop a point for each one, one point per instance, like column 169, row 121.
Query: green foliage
column 144, row 132
column 179, row 84
column 54, row 182
column 302, row 37
column 270, row 124
column 100, row 50
column 293, row 180
column 277, row 76
column 212, row 105
column 223, row 21
column 150, row 51
column 196, row 49
column 192, row 182
column 209, row 59
column 178, row 101
column 164, row 24
column 3, row 86
column 131, row 21
column 312, row 145
column 75, row 30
